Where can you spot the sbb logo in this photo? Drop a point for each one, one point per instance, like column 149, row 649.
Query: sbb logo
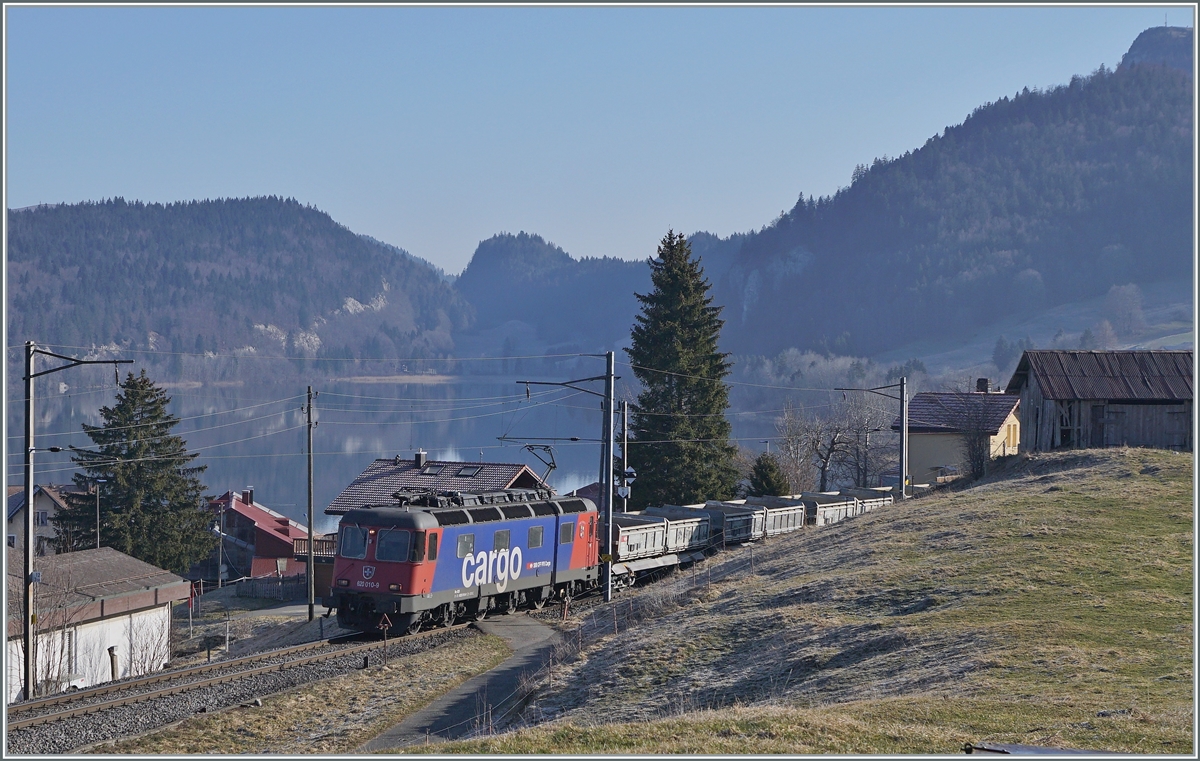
column 497, row 566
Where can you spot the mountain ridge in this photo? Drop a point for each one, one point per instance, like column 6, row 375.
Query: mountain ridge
column 1049, row 197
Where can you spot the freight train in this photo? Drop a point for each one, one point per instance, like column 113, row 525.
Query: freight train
column 434, row 558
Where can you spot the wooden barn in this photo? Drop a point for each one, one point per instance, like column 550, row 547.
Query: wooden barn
column 1077, row 399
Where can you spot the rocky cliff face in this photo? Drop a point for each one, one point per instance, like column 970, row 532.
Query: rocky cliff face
column 1161, row 46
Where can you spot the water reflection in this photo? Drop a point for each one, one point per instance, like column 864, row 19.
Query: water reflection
column 254, row 435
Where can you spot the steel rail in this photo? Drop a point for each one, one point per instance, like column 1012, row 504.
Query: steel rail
column 164, row 676
column 142, row 697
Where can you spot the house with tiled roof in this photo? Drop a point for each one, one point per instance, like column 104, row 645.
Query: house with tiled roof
column 1073, row 399
column 383, row 478
column 256, row 541
column 938, row 421
column 101, row 615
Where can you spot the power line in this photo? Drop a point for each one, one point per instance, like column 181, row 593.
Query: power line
column 215, row 355
column 442, row 420
column 165, row 435
column 420, row 399
column 721, row 380
column 448, row 404
column 180, row 420
column 167, row 458
column 703, row 414
column 272, row 455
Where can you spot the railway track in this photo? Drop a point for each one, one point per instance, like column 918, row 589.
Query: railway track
column 60, row 723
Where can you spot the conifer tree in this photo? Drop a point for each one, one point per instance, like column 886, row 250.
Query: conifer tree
column 767, row 478
column 151, row 504
column 680, row 444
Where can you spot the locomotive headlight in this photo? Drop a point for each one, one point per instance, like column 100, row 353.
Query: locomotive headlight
column 394, row 587
column 343, row 582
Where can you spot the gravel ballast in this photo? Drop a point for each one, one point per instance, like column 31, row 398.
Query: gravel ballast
column 124, row 721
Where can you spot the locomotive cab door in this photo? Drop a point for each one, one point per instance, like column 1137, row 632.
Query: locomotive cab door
column 593, row 553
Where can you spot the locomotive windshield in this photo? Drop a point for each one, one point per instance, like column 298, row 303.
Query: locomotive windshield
column 393, row 545
column 352, row 543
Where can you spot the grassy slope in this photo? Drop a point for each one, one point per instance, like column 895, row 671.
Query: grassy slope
column 1051, row 604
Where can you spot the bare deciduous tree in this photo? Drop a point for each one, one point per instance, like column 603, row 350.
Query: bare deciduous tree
column 812, row 446
column 869, row 427
column 793, row 450
column 56, row 614
column 149, row 648
column 1124, row 308
column 830, row 440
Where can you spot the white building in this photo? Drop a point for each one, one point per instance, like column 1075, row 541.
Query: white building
column 101, row 615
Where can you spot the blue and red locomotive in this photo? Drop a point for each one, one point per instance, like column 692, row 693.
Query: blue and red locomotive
column 437, row 558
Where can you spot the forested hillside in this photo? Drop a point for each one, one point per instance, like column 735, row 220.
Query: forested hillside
column 1034, row 201
column 256, row 275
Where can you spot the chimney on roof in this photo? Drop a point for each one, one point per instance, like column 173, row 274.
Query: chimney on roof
column 248, row 495
column 420, row 458
column 983, row 385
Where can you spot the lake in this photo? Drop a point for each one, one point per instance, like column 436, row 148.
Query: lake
column 253, row 434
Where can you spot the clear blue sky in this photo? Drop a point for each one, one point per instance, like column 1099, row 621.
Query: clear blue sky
column 435, row 128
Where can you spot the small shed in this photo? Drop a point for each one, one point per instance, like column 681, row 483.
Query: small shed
column 1076, row 399
column 101, row 615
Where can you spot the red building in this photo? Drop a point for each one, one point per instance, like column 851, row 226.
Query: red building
column 256, row 540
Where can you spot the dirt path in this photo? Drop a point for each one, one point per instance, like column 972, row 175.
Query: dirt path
column 486, row 702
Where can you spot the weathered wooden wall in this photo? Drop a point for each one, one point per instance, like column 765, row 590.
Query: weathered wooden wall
column 1048, row 424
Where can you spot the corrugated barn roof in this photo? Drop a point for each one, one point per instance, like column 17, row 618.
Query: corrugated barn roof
column 1133, row 375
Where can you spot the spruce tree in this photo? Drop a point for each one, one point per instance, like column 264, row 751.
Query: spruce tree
column 767, row 478
column 680, row 444
column 151, row 504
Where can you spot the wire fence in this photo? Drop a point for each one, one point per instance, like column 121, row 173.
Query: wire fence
column 275, row 588
column 599, row 622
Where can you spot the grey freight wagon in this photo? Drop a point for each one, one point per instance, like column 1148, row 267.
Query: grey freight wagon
column 832, row 508
column 783, row 515
column 728, row 523
column 686, row 529
column 735, row 523
column 870, row 498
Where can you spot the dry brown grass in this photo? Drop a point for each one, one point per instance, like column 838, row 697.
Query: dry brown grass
column 1016, row 610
